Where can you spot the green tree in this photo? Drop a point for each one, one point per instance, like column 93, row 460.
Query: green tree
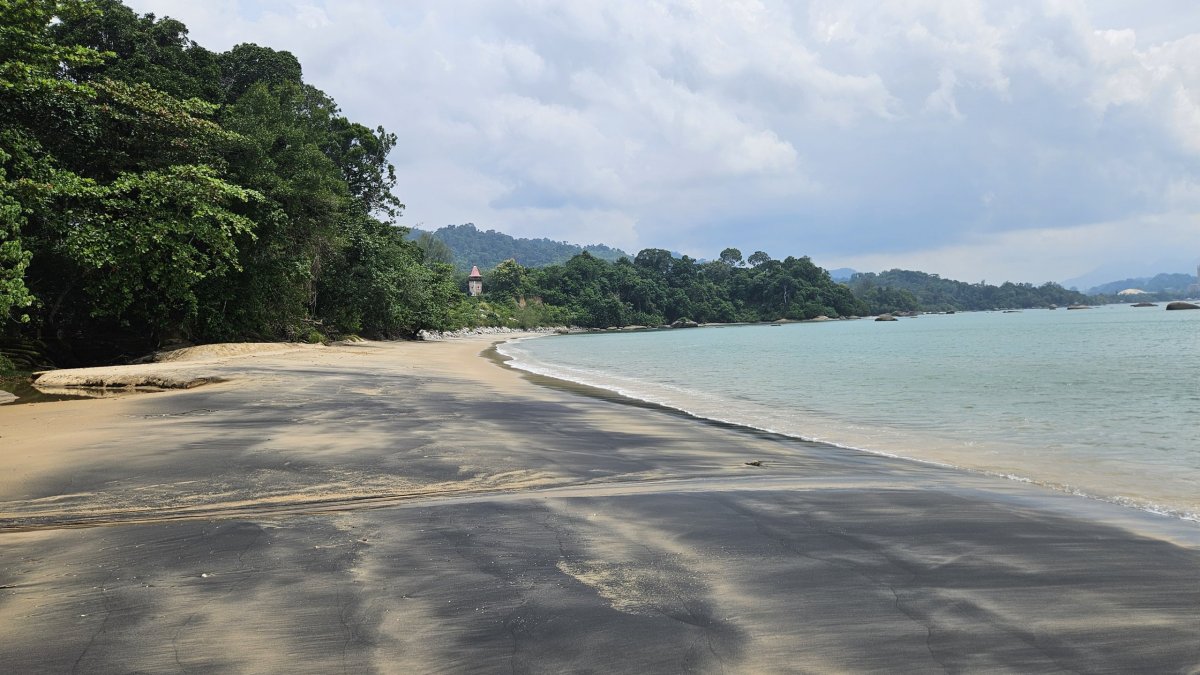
column 508, row 281
column 140, row 246
column 732, row 257
column 758, row 258
column 435, row 250
column 33, row 83
column 379, row 287
column 14, row 295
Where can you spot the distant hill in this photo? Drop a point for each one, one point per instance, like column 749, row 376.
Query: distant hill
column 1160, row 283
column 486, row 248
column 842, row 274
column 907, row 289
column 1130, row 269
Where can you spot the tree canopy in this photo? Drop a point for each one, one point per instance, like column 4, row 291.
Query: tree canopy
column 658, row 288
column 152, row 190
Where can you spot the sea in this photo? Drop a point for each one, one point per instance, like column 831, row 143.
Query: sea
column 1101, row 402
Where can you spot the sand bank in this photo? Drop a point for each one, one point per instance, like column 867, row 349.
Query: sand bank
column 412, row 507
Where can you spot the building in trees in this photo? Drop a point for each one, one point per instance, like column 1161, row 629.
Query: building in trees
column 474, row 282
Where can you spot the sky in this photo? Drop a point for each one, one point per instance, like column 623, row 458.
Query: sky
column 1022, row 140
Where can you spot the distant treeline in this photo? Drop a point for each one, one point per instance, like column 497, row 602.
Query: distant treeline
column 656, row 287
column 907, row 290
column 467, row 245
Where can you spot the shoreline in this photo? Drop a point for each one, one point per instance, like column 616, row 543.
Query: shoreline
column 182, row 371
column 1187, row 514
column 185, row 372
column 464, row 516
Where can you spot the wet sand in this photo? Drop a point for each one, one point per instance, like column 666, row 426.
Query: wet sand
column 414, row 507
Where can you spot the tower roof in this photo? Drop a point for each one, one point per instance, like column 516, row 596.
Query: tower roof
column 475, row 271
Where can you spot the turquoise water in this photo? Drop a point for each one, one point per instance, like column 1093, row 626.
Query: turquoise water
column 1101, row 402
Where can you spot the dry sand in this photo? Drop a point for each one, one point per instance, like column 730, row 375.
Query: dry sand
column 412, row 507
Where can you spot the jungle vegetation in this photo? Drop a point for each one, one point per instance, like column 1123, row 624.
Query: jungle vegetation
column 154, row 191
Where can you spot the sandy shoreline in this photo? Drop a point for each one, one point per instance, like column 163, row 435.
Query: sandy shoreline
column 412, row 507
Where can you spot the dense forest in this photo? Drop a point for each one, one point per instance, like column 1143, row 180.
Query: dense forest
column 906, row 290
column 468, row 245
column 154, row 191
column 656, row 287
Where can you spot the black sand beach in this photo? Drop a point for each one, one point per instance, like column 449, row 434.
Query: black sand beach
column 401, row 508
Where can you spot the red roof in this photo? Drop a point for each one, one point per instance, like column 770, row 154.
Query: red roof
column 475, row 271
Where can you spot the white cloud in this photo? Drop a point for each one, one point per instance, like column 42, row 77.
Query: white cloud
column 1026, row 255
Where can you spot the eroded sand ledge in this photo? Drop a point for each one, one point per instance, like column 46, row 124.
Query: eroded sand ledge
column 411, row 507
column 177, row 369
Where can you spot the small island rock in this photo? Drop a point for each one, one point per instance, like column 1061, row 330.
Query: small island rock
column 1182, row 305
column 886, row 317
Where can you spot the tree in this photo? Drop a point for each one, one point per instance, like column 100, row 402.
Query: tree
column 731, row 257
column 246, row 65
column 435, row 250
column 34, row 90
column 379, row 288
column 656, row 261
column 509, row 281
column 141, row 245
column 758, row 258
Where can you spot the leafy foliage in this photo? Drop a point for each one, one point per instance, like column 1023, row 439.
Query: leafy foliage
column 152, row 190
column 141, row 245
column 13, row 256
column 656, row 288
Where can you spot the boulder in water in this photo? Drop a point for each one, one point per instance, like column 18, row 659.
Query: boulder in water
column 684, row 323
column 1144, row 304
column 886, row 317
column 1182, row 305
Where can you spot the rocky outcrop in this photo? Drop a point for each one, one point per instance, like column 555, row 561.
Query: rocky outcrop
column 886, row 317
column 1144, row 304
column 1080, row 307
column 684, row 323
column 1182, row 305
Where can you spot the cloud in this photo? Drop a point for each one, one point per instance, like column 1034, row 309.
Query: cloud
column 1026, row 255
column 842, row 130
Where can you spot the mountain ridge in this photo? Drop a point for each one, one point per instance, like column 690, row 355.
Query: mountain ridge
column 470, row 246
